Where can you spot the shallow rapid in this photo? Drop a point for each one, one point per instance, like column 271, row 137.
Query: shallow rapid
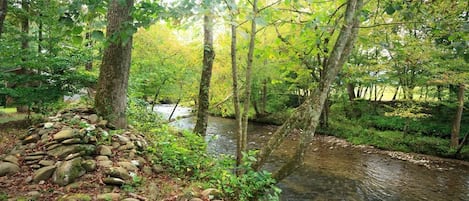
column 339, row 172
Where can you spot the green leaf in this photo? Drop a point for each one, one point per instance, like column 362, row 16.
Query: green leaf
column 97, row 35
column 390, row 10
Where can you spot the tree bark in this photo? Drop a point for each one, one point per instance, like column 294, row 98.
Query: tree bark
column 24, row 45
column 351, row 91
column 3, row 14
column 204, row 89
column 457, row 118
column 111, row 94
column 234, row 76
column 25, row 25
column 89, row 46
column 264, row 97
column 307, row 115
column 247, row 91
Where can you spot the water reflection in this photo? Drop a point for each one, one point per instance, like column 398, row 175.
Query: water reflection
column 337, row 173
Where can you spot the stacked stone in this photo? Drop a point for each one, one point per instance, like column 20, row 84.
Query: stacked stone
column 74, row 143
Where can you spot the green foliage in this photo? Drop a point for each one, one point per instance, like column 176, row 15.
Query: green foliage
column 250, row 185
column 140, row 116
column 136, row 182
column 183, row 154
column 426, row 135
column 3, row 196
column 183, row 151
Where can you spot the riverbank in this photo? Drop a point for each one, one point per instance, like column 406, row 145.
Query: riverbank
column 378, row 124
column 427, row 161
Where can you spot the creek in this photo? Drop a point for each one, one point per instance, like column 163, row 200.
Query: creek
column 334, row 171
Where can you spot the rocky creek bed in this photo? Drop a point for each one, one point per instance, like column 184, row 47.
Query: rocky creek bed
column 75, row 155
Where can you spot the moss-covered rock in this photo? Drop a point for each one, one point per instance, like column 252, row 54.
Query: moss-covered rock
column 68, row 171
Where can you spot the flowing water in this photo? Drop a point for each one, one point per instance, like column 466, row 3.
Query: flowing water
column 340, row 172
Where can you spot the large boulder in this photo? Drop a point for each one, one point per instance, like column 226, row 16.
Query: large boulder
column 7, row 168
column 68, row 171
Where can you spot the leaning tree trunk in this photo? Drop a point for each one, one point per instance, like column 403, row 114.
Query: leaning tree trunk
column 111, row 94
column 3, row 14
column 204, row 89
column 457, row 118
column 307, row 115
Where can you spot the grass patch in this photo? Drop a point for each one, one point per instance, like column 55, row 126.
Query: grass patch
column 7, row 110
column 12, row 117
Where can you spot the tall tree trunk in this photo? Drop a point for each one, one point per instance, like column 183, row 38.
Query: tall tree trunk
column 25, row 25
column 307, row 115
column 351, row 91
column 264, row 97
column 457, row 118
column 234, row 74
column 247, row 92
column 40, row 36
column 24, row 44
column 111, row 94
column 204, row 89
column 3, row 14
